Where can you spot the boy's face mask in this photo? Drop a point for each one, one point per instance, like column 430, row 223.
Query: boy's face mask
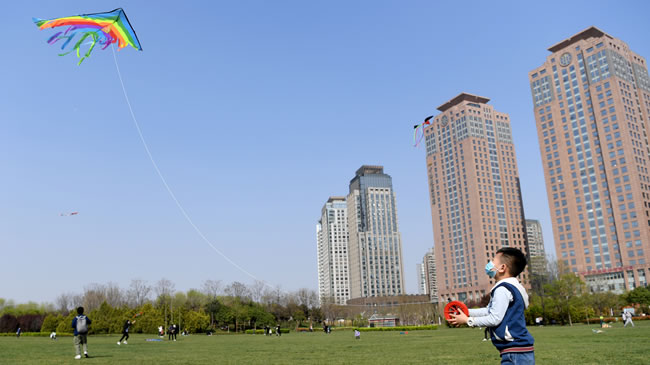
column 490, row 270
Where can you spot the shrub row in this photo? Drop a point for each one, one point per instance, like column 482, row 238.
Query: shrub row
column 399, row 328
column 615, row 319
column 34, row 334
column 261, row 331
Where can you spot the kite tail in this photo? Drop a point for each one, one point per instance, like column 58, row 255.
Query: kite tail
column 54, row 38
column 415, row 133
column 77, row 46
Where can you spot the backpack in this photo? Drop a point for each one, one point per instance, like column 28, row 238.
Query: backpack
column 82, row 324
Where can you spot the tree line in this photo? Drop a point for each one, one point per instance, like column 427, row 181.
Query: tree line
column 562, row 297
column 556, row 295
column 233, row 307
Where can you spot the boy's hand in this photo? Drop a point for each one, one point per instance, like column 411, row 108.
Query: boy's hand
column 458, row 319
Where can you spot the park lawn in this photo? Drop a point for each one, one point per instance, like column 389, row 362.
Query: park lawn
column 553, row 345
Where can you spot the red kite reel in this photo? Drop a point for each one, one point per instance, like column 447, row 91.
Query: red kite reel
column 454, row 308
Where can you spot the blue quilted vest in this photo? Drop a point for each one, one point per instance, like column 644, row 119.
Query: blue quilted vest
column 512, row 332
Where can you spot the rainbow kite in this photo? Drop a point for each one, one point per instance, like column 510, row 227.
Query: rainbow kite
column 101, row 28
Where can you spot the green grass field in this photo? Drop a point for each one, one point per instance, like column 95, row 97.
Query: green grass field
column 553, row 345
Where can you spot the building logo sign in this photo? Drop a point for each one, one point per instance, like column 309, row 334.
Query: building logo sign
column 565, row 59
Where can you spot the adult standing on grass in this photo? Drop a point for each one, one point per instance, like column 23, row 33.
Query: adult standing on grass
column 277, row 331
column 505, row 313
column 125, row 331
column 18, row 331
column 602, row 321
column 628, row 319
column 80, row 324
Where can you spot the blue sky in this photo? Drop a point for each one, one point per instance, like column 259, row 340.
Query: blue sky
column 256, row 112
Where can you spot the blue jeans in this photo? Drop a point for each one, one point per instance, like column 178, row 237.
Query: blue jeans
column 518, row 358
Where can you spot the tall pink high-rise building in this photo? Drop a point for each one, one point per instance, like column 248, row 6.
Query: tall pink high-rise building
column 591, row 100
column 475, row 197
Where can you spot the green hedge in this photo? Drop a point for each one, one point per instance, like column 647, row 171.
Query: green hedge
column 261, row 331
column 398, row 328
column 615, row 319
column 35, row 334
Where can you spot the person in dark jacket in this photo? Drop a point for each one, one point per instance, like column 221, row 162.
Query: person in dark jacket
column 171, row 332
column 80, row 323
column 125, row 332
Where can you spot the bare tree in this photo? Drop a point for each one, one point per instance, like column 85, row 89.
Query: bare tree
column 64, row 302
column 94, row 295
column 307, row 297
column 77, row 300
column 279, row 296
column 556, row 268
column 257, row 290
column 138, row 292
column 268, row 296
column 313, row 299
column 238, row 290
column 164, row 288
column 114, row 295
column 212, row 288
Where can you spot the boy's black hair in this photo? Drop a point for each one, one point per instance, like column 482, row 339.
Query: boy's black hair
column 80, row 310
column 514, row 259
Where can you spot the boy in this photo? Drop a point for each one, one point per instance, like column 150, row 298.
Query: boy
column 505, row 314
column 80, row 324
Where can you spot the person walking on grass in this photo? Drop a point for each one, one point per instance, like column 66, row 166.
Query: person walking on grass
column 628, row 319
column 80, row 323
column 125, row 332
column 504, row 314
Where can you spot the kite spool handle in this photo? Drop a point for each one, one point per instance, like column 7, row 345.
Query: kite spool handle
column 455, row 307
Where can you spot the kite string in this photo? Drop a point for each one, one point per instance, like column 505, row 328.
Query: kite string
column 180, row 206
column 162, row 178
